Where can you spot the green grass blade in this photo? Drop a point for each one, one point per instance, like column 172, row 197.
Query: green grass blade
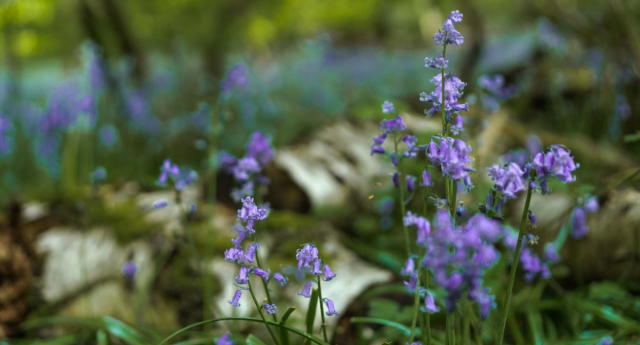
column 125, row 332
column 404, row 329
column 101, row 337
column 253, row 340
column 286, row 315
column 248, row 319
column 284, row 335
column 311, row 312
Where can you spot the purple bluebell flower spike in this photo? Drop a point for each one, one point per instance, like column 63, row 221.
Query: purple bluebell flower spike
column 387, row 107
column 306, row 255
column 508, row 180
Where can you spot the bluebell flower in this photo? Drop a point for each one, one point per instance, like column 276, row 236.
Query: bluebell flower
column 451, row 156
column 393, row 125
column 262, row 273
column 409, row 267
column 438, row 63
column 556, row 162
column 606, row 341
column 234, row 254
column 508, row 180
column 411, row 182
column 328, row 275
column 331, row 309
column 224, row 340
column 236, row 298
column 426, row 179
column 249, row 256
column 306, row 290
column 551, row 253
column 270, row 308
column 243, row 276
column 260, row 148
column 306, row 255
column 282, row 280
column 423, row 227
column 160, row 204
column 429, row 304
column 395, row 179
column 387, row 107
column 412, row 148
column 579, row 227
column 592, row 205
column 532, row 219
column 316, row 270
column 129, row 270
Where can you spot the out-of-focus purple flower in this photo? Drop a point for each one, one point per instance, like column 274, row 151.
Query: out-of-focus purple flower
column 453, row 88
column 245, row 190
column 452, row 156
column 551, row 253
column 99, row 174
column 533, row 219
column 306, row 290
column 377, row 149
column 497, row 91
column 282, row 280
column 485, row 301
column 251, row 252
column 185, row 178
column 426, row 179
column 168, row 170
column 395, row 179
column 6, row 142
column 316, row 267
column 262, row 273
column 387, row 107
column 238, row 240
column 226, row 162
column 423, row 225
column 306, row 255
column 534, row 144
column 236, row 298
column 440, row 203
column 108, row 135
column 377, row 144
column 244, row 168
column 579, row 227
column 328, row 275
column 508, row 180
column 160, row 204
column 393, row 125
column 270, row 308
column 411, row 182
column 129, row 270
column 224, row 340
column 412, row 284
column 592, row 205
column 412, row 148
column 235, row 77
column 438, row 63
column 193, row 208
column 259, row 148
column 234, row 255
column 394, row 159
column 519, row 157
column 460, row 209
column 243, row 275
column 606, row 341
column 458, row 126
column 409, row 267
column 331, row 309
column 429, row 304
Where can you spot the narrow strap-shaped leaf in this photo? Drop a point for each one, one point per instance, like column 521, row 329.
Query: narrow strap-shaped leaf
column 311, row 312
column 253, row 340
column 101, row 337
column 404, row 329
column 249, row 319
column 125, row 332
column 284, row 335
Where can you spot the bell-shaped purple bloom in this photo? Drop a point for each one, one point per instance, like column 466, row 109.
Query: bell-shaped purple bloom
column 377, row 149
column 306, row 255
column 394, row 159
column 259, row 148
column 379, row 140
column 412, row 284
column 412, row 148
column 234, row 255
column 579, row 227
column 224, row 340
column 238, row 240
column 270, row 308
column 249, row 256
column 306, row 290
column 452, row 156
column 250, row 211
column 592, row 205
column 551, row 253
column 282, row 280
column 245, row 167
column 160, row 204
column 395, row 179
column 129, row 270
column 331, row 309
column 167, row 170
column 387, row 107
column 411, row 182
column 606, row 341
column 533, row 219
column 328, row 274
column 508, row 180
column 438, row 63
column 236, row 298
column 460, row 209
column 556, row 162
column 316, row 267
column 429, row 304
column 393, row 125
column 262, row 273
column 243, row 276
column 409, row 267
column 458, row 126
column 426, row 179
column 422, row 224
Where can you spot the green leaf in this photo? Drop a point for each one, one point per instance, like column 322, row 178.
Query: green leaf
column 311, row 312
column 284, row 335
column 535, row 323
column 101, row 337
column 632, row 137
column 395, row 325
column 196, row 342
column 253, row 340
column 125, row 332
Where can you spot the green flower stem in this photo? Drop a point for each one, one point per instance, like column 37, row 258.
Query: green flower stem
column 324, row 326
column 266, row 285
column 253, row 296
column 450, row 334
column 416, row 307
column 403, row 210
column 514, row 268
column 426, row 335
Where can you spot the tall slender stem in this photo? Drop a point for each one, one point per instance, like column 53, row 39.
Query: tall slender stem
column 416, row 307
column 514, row 268
column 265, row 285
column 253, row 296
column 449, row 331
column 324, row 326
column 426, row 335
column 403, row 209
